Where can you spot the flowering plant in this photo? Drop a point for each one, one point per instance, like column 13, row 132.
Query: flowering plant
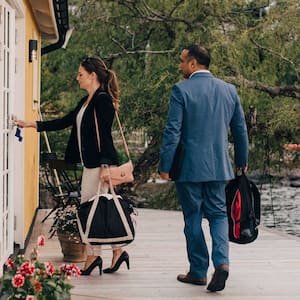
column 30, row 279
column 65, row 221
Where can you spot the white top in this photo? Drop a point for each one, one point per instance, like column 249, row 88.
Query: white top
column 199, row 71
column 78, row 123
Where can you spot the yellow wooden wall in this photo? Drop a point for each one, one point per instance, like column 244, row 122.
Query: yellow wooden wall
column 31, row 138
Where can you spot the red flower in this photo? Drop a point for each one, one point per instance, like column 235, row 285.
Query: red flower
column 38, row 287
column 65, row 268
column 26, row 269
column 50, row 268
column 75, row 270
column 10, row 263
column 69, row 270
column 18, row 281
column 41, row 241
column 26, row 277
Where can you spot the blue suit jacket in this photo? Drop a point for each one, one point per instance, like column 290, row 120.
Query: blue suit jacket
column 202, row 109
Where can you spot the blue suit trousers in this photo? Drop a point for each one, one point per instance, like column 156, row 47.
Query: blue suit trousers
column 198, row 200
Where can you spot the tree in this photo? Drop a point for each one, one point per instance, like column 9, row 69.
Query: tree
column 253, row 45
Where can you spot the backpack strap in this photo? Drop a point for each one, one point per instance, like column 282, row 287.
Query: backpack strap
column 256, row 202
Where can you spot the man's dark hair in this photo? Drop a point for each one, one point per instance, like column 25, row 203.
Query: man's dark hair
column 201, row 54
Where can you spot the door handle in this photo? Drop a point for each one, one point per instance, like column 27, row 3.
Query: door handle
column 11, row 122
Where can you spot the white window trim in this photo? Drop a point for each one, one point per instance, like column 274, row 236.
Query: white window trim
column 19, row 111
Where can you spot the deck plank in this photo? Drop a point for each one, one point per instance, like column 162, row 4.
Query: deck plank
column 268, row 269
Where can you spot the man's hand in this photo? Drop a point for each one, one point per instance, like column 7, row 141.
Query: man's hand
column 165, row 176
column 240, row 169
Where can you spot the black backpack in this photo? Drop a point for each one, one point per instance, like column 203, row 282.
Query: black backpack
column 243, row 209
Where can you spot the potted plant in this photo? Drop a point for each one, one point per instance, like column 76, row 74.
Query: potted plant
column 30, row 279
column 66, row 228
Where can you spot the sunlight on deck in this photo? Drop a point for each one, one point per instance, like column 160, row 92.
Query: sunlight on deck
column 268, row 269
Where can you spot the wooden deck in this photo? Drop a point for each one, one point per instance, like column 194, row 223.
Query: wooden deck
column 268, row 269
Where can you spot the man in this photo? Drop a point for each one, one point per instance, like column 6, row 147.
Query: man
column 202, row 109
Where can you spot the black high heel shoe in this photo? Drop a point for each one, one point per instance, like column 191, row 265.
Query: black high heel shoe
column 96, row 263
column 123, row 257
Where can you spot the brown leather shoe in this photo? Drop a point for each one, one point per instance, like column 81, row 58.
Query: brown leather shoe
column 219, row 278
column 190, row 279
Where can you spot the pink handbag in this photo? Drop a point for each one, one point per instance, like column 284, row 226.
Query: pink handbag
column 121, row 174
column 118, row 174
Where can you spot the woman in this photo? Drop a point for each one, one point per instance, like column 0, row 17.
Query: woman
column 92, row 118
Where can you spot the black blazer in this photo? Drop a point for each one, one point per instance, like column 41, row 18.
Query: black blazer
column 92, row 156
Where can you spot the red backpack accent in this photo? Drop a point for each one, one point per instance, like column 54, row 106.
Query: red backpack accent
column 236, row 208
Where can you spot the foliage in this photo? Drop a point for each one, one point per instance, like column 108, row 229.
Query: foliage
column 31, row 279
column 65, row 221
column 254, row 45
column 159, row 195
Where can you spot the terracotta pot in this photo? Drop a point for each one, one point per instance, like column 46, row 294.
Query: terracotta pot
column 72, row 248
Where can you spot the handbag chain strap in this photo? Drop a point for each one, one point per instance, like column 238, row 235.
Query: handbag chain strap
column 97, row 131
column 120, row 128
column 122, row 134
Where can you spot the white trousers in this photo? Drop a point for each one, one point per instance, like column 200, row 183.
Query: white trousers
column 89, row 183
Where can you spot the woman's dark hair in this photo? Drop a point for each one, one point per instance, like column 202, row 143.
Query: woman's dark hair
column 106, row 77
column 200, row 53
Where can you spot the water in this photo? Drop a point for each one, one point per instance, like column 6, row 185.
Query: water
column 280, row 205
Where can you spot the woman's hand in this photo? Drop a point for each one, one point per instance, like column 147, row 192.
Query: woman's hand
column 104, row 174
column 25, row 124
